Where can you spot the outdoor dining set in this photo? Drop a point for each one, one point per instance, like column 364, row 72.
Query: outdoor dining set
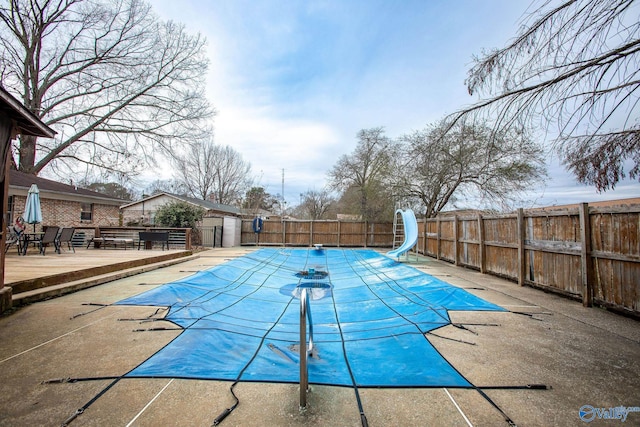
column 58, row 237
column 52, row 235
column 19, row 236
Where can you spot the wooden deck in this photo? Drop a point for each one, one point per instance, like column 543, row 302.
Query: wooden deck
column 35, row 276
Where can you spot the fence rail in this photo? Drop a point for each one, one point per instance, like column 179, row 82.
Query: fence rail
column 586, row 253
column 178, row 237
column 210, row 236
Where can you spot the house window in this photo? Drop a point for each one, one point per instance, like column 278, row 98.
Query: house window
column 10, row 208
column 86, row 211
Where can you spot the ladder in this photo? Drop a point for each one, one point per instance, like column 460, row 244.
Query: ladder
column 398, row 230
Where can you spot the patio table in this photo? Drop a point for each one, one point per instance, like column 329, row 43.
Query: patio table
column 30, row 238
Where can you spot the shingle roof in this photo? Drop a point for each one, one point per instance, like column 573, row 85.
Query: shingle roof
column 206, row 204
column 24, row 180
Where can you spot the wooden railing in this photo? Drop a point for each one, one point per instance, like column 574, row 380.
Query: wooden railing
column 179, row 238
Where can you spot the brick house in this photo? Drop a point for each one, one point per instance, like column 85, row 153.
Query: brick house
column 62, row 205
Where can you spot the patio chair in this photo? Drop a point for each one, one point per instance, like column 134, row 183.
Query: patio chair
column 65, row 236
column 50, row 236
column 13, row 238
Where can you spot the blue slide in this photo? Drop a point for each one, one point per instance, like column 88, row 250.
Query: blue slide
column 410, row 224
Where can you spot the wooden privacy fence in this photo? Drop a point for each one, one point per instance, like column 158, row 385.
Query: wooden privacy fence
column 309, row 233
column 586, row 253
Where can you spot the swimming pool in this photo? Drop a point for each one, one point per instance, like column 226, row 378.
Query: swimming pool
column 370, row 315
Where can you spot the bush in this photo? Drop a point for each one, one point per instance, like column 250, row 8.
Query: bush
column 179, row 215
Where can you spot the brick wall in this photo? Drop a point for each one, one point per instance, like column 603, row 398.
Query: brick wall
column 64, row 213
column 105, row 215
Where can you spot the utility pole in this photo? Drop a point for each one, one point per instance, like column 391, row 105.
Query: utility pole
column 282, row 202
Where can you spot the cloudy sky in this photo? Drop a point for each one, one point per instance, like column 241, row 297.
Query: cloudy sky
column 293, row 81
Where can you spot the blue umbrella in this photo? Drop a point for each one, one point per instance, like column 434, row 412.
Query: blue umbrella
column 32, row 211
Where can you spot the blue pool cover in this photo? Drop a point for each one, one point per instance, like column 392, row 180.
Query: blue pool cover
column 370, row 313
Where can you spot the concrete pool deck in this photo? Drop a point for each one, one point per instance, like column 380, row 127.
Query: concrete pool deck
column 587, row 355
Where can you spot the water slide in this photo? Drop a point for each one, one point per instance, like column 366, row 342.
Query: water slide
column 410, row 224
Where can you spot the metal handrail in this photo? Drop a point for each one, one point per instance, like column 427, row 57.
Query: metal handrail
column 305, row 350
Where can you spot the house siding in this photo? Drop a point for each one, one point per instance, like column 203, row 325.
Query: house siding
column 136, row 216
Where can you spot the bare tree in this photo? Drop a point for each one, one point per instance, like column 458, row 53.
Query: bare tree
column 575, row 65
column 367, row 171
column 165, row 186
column 315, row 204
column 115, row 82
column 444, row 162
column 213, row 171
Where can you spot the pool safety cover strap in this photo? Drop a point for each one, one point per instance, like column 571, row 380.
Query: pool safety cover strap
column 370, row 313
